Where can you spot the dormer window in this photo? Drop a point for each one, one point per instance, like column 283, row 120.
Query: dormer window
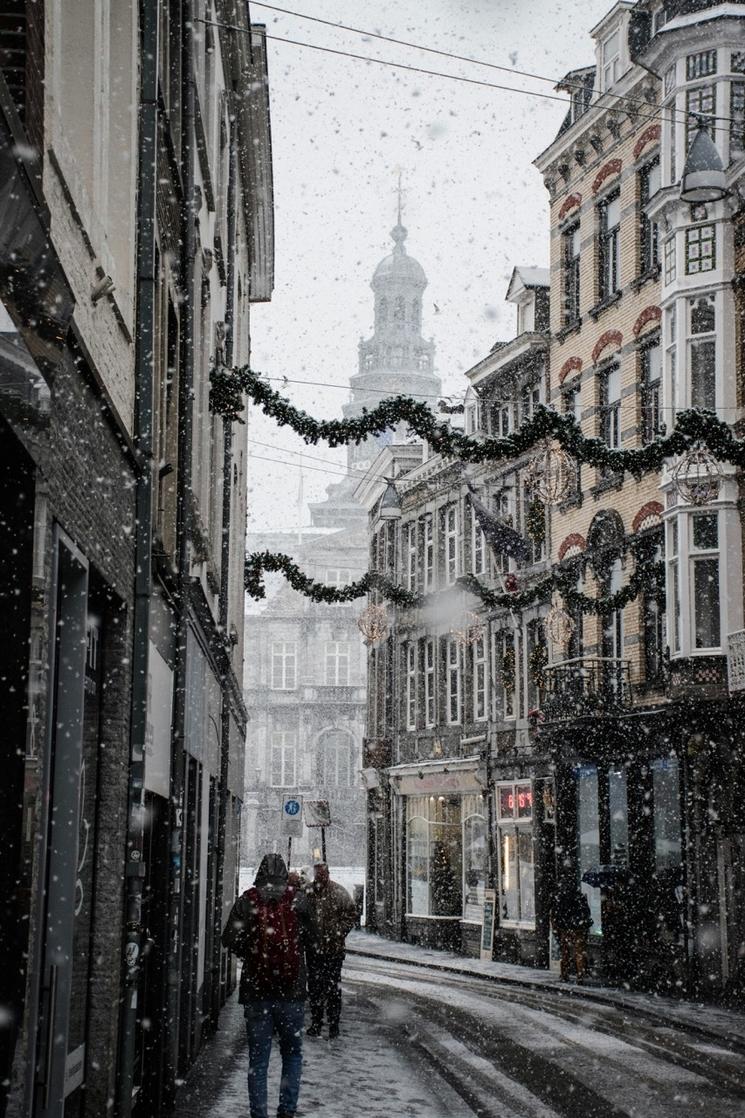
column 611, row 60
column 525, row 317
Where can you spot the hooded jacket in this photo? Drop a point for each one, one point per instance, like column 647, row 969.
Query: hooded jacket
column 270, row 905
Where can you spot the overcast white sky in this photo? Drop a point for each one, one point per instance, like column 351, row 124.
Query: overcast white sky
column 474, row 204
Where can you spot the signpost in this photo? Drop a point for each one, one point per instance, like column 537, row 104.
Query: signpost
column 292, row 822
column 487, row 927
column 317, row 813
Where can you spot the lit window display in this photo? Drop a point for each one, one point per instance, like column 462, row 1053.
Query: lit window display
column 474, row 857
column 434, row 858
column 516, row 864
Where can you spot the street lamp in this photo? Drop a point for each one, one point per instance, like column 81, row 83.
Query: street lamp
column 703, row 174
column 390, row 503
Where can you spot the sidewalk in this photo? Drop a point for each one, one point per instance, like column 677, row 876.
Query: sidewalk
column 708, row 1020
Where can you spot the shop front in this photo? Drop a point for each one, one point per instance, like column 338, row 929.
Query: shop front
column 443, row 823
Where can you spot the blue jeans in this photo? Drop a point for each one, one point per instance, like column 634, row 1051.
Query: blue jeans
column 262, row 1019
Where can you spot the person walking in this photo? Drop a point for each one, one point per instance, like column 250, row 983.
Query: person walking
column 571, row 919
column 331, row 919
column 266, row 929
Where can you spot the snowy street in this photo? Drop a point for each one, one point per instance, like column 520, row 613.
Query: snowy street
column 430, row 1044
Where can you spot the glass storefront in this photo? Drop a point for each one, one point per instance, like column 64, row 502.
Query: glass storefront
column 588, row 836
column 475, row 846
column 516, row 860
column 434, row 859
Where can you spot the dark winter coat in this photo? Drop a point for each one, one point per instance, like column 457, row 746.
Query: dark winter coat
column 267, row 929
column 332, row 916
column 570, row 911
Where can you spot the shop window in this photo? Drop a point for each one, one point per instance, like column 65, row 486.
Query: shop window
column 453, row 681
column 478, row 650
column 284, row 759
column 737, row 120
column 649, row 184
column 429, row 681
column 475, row 846
column 701, row 253
column 588, row 836
column 700, row 109
column 705, row 579
column 610, row 407
column 651, row 391
column 434, row 856
column 667, row 822
column 516, row 867
column 284, row 666
column 673, row 583
column 609, row 240
column 337, row 663
column 618, row 816
column 701, row 64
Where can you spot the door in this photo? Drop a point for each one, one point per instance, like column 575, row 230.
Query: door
column 61, row 1058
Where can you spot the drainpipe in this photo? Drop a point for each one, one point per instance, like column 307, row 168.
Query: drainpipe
column 224, row 617
column 183, row 518
column 144, row 355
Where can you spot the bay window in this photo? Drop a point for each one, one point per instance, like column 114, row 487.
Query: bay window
column 737, row 120
column 700, row 107
column 702, row 352
column 669, row 260
column 704, row 549
column 609, row 213
column 673, row 582
column 700, row 255
column 516, row 863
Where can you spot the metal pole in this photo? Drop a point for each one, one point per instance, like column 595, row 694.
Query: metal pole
column 289, row 852
column 323, row 844
column 144, row 359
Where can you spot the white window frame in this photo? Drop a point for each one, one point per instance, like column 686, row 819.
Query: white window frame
column 284, row 666
column 337, row 663
column 478, row 545
column 693, row 236
column 410, row 654
column 673, row 585
column 430, row 675
column 429, row 551
column 610, row 407
column 705, row 338
column 283, row 749
column 454, row 682
column 610, row 64
column 452, row 565
column 697, row 555
column 514, row 825
column 480, row 690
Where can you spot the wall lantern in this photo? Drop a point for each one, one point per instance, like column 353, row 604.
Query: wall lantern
column 390, row 503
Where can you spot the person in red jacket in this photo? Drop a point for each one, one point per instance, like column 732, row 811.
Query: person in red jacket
column 267, row 929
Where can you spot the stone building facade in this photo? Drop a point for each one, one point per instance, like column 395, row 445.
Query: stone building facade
column 306, row 673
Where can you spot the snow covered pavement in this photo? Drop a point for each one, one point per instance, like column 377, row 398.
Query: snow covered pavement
column 420, row 1042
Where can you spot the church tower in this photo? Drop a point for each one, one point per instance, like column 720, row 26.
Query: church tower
column 396, row 360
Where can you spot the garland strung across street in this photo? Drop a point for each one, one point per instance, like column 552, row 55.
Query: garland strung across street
column 647, row 577
column 693, row 427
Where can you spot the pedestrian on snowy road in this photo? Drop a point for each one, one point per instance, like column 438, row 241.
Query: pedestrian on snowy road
column 570, row 916
column 331, row 919
column 266, row 929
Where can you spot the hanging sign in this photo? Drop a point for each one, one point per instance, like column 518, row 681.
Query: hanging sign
column 292, row 817
column 317, row 813
column 487, row 926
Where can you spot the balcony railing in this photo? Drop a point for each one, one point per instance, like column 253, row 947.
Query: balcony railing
column 584, row 686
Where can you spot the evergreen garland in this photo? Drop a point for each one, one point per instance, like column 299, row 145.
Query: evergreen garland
column 647, row 577
column 692, row 426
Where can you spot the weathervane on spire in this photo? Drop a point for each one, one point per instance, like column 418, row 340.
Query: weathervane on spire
column 399, row 233
column 399, row 191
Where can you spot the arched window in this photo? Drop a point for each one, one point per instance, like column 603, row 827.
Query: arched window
column 399, row 309
column 383, row 309
column 336, row 759
column 416, row 312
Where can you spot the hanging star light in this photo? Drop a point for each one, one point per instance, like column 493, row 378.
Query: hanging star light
column 696, row 476
column 373, row 624
column 550, row 473
column 559, row 625
column 470, row 631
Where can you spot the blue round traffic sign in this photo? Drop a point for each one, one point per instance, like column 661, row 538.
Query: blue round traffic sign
column 292, row 807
